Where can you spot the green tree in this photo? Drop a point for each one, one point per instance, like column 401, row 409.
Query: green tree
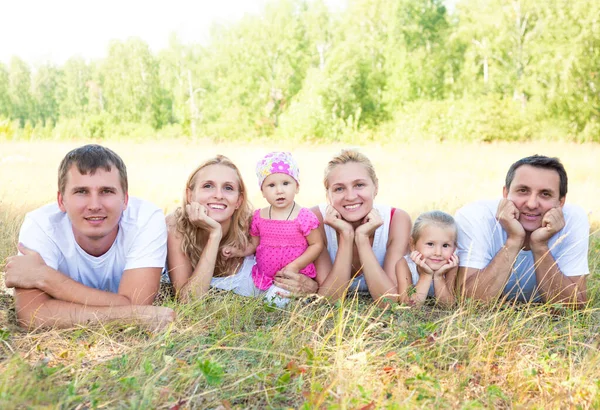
column 44, row 93
column 130, row 84
column 5, row 106
column 73, row 88
column 19, row 86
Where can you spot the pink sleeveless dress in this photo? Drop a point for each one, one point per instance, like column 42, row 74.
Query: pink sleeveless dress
column 281, row 242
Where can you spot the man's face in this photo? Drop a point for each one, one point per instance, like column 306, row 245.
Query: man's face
column 94, row 204
column 534, row 191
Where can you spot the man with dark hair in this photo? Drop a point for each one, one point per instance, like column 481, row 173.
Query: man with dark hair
column 94, row 256
column 529, row 246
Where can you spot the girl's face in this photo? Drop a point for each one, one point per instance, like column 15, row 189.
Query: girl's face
column 279, row 190
column 351, row 191
column 217, row 188
column 436, row 244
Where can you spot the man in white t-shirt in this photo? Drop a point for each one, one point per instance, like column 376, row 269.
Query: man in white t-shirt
column 94, row 256
column 528, row 246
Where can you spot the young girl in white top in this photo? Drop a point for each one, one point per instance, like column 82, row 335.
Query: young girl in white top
column 430, row 269
column 284, row 235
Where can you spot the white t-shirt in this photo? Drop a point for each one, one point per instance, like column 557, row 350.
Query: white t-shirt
column 359, row 284
column 480, row 237
column 141, row 243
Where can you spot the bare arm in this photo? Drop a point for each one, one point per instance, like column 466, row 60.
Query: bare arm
column 412, row 296
column 553, row 285
column 35, row 308
column 335, row 278
column 444, row 285
column 188, row 281
column 314, row 249
column 29, row 271
column 233, row 252
column 488, row 283
column 382, row 281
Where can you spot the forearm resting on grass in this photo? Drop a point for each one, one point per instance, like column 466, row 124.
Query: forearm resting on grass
column 35, row 308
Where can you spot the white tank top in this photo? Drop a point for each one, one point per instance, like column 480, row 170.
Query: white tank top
column 379, row 243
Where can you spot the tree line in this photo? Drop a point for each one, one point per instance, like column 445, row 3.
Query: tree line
column 380, row 69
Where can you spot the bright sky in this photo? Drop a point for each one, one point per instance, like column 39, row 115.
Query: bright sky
column 41, row 30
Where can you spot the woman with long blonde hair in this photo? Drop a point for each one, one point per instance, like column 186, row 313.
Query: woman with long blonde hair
column 215, row 213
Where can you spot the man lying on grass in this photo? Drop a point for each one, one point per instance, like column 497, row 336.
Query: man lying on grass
column 529, row 246
column 94, row 256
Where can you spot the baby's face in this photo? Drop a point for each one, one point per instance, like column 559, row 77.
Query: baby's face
column 436, row 244
column 280, row 190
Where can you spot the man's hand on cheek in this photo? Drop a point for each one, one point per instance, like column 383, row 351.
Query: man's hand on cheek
column 508, row 217
column 552, row 222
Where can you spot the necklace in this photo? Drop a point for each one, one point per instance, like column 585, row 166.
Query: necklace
column 288, row 218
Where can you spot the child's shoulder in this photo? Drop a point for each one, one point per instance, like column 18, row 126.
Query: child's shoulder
column 306, row 215
column 261, row 213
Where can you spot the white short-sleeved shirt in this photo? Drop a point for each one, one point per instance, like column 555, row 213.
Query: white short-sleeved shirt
column 140, row 243
column 359, row 284
column 480, row 237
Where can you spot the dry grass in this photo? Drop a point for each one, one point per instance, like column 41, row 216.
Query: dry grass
column 231, row 351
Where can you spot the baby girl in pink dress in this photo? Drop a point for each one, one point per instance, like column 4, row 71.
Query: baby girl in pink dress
column 284, row 235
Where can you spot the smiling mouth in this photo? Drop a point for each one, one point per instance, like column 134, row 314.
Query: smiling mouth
column 351, row 207
column 218, row 207
column 94, row 218
column 530, row 216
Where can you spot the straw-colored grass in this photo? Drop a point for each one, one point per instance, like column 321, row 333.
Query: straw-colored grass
column 227, row 351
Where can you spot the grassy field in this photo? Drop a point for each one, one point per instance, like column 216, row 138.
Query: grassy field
column 227, row 351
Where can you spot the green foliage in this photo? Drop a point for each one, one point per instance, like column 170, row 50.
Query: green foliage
column 492, row 70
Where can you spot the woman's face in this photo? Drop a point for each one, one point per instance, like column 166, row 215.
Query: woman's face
column 351, row 191
column 217, row 188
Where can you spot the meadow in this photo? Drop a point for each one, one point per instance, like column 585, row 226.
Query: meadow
column 226, row 351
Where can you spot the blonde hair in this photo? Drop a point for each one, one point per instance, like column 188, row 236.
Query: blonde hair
column 194, row 239
column 346, row 156
column 438, row 218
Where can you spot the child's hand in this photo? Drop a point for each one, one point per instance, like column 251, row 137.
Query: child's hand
column 231, row 252
column 452, row 263
column 420, row 261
